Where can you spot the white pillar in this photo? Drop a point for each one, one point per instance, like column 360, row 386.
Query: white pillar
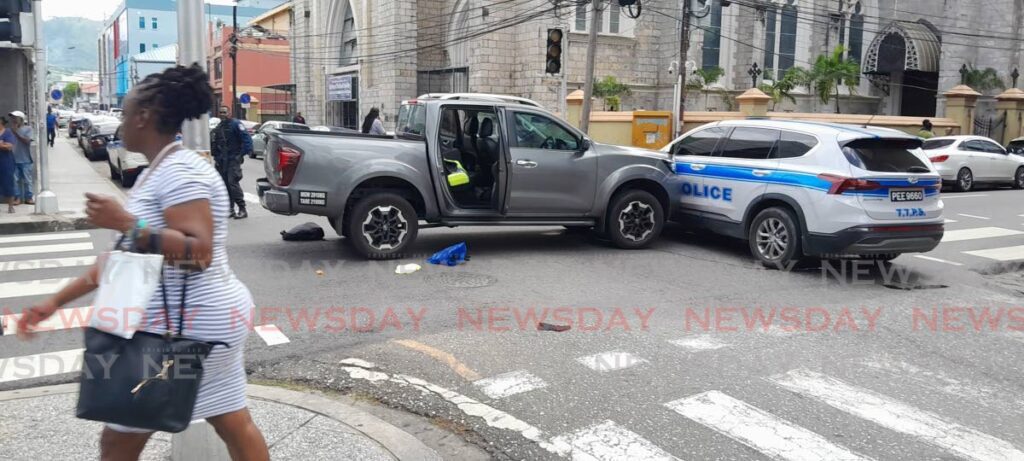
column 195, row 134
column 46, row 200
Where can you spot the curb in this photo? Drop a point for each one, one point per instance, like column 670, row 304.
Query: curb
column 399, row 443
column 45, row 223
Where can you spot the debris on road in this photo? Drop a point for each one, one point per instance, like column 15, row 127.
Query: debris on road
column 306, row 232
column 543, row 326
column 451, row 256
column 320, row 272
column 407, row 268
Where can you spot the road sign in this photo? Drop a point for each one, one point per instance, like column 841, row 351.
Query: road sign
column 56, row 95
column 245, row 98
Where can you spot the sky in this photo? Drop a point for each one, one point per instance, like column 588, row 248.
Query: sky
column 91, row 9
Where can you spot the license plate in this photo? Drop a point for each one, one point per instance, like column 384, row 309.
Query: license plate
column 913, row 195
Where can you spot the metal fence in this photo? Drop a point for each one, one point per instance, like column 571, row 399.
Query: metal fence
column 991, row 127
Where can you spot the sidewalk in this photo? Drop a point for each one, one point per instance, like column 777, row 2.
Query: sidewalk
column 39, row 423
column 71, row 176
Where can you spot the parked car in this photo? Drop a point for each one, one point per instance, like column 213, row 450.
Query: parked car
column 125, row 166
column 75, row 124
column 250, row 126
column 97, row 138
column 455, row 163
column 333, row 129
column 64, row 117
column 85, row 124
column 795, row 190
column 259, row 139
column 967, row 161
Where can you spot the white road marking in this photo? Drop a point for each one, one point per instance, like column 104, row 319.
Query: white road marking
column 987, row 395
column 492, row 417
column 44, row 237
column 252, row 198
column 950, row 221
column 973, row 216
column 978, row 233
column 608, row 441
column 272, row 335
column 58, row 248
column 1000, row 254
column 509, row 384
column 700, row 343
column 52, row 263
column 40, row 365
column 775, row 437
column 900, row 417
column 929, row 258
column 610, row 361
column 947, row 196
column 63, row 319
column 32, row 287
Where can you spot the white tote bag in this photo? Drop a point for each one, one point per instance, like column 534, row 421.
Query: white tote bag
column 127, row 284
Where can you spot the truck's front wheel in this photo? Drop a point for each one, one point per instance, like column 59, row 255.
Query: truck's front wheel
column 382, row 225
column 635, row 219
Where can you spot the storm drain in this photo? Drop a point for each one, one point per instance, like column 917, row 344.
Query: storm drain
column 914, row 286
column 465, row 280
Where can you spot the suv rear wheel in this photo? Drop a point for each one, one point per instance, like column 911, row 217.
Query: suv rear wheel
column 1018, row 178
column 964, row 180
column 635, row 219
column 774, row 238
column 382, row 226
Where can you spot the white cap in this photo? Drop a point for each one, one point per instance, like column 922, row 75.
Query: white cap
column 18, row 114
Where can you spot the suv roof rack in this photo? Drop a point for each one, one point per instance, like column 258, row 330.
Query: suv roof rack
column 480, row 97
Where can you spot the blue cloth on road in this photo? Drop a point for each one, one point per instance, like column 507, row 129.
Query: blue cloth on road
column 451, row 256
column 7, row 165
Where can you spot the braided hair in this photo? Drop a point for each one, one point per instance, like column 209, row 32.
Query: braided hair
column 175, row 95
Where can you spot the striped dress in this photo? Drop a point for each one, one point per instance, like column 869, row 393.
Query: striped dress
column 218, row 307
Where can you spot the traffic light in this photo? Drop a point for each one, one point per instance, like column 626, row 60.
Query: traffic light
column 554, row 52
column 10, row 19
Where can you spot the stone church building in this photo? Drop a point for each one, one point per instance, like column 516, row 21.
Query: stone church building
column 351, row 55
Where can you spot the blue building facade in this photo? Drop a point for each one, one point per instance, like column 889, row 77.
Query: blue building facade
column 138, row 26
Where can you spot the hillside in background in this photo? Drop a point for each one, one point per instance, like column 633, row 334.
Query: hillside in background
column 64, row 33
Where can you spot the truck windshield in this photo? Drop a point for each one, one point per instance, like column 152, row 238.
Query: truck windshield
column 412, row 120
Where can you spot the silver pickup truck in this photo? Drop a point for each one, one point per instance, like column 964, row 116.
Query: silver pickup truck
column 465, row 162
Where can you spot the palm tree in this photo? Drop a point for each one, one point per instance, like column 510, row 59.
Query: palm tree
column 782, row 88
column 983, row 80
column 832, row 71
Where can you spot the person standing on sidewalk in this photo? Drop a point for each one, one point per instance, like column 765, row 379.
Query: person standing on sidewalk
column 51, row 126
column 178, row 203
column 24, row 174
column 7, row 143
column 230, row 143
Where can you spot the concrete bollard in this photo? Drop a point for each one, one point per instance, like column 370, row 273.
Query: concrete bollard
column 199, row 441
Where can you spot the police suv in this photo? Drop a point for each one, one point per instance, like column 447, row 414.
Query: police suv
column 798, row 189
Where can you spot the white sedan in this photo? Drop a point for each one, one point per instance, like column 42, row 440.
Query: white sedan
column 966, row 161
column 124, row 165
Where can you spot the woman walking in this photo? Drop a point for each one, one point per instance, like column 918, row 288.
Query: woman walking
column 182, row 201
column 372, row 123
column 7, row 166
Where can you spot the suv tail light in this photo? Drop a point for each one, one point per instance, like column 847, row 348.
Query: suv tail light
column 939, row 158
column 287, row 163
column 842, row 184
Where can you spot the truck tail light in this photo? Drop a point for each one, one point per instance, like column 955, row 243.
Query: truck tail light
column 939, row 158
column 840, row 184
column 287, row 163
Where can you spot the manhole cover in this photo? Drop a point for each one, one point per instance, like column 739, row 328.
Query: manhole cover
column 465, row 280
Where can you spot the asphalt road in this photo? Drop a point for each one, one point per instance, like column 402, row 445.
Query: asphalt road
column 666, row 356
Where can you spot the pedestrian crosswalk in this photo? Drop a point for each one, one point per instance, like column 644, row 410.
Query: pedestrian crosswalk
column 813, row 414
column 37, row 265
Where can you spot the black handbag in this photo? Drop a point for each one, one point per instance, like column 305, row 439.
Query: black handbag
column 150, row 381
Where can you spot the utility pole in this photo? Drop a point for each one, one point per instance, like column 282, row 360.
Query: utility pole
column 195, row 134
column 684, row 48
column 234, row 61
column 46, row 200
column 588, row 77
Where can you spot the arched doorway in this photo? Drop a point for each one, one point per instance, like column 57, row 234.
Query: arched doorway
column 343, row 83
column 903, row 60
